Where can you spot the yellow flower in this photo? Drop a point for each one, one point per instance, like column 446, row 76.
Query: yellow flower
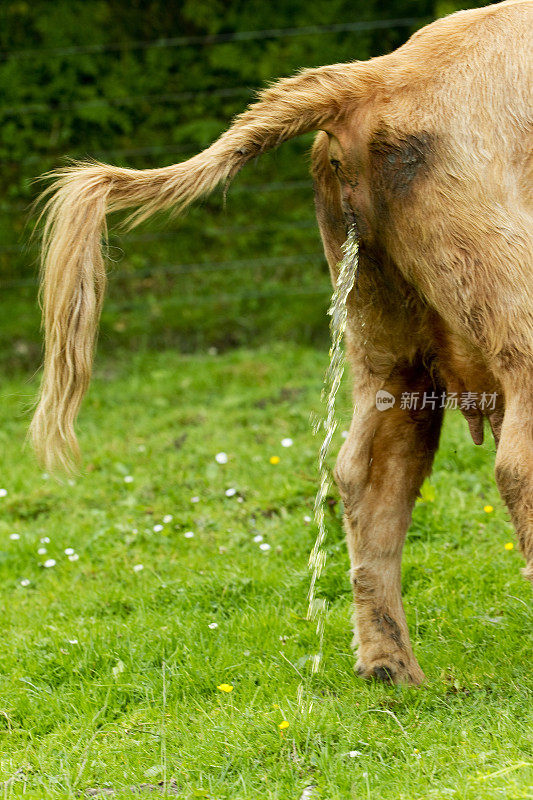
column 275, row 705
column 488, row 509
column 275, row 459
column 283, row 725
column 225, row 687
column 509, row 546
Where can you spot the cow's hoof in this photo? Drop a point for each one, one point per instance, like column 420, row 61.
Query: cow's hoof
column 391, row 671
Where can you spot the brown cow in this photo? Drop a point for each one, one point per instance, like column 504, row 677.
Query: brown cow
column 427, row 151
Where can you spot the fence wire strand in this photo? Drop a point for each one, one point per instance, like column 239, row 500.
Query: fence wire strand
column 212, row 39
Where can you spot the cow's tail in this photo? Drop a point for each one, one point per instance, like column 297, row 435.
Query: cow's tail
column 73, row 270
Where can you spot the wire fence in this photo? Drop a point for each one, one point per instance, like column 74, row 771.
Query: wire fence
column 216, row 38
column 195, row 267
column 117, row 240
column 161, row 270
column 228, row 298
column 271, row 186
column 34, row 108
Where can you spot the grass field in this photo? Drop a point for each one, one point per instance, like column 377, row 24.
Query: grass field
column 109, row 671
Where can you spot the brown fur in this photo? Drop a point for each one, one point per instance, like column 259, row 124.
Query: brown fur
column 428, row 152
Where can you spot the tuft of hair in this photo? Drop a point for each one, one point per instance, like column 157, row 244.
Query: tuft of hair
column 73, row 275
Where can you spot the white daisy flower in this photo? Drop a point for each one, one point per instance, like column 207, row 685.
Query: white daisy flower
column 50, row 562
column 195, row 499
column 72, row 641
column 258, row 538
column 286, row 442
column 73, row 557
column 167, row 518
column 41, row 551
column 14, row 536
column 69, row 551
column 45, row 540
column 128, row 478
column 138, row 567
column 307, row 518
column 344, row 434
column 25, row 582
column 188, row 534
column 264, row 546
column 3, row 492
column 220, row 458
column 158, row 528
column 213, row 625
column 231, row 492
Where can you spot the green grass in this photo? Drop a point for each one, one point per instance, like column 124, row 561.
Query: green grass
column 109, row 676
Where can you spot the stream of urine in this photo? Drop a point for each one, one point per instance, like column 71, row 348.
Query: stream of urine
column 317, row 606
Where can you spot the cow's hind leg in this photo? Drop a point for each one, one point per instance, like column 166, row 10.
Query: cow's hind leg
column 379, row 472
column 514, row 461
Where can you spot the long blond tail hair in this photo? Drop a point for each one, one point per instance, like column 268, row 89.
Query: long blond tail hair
column 73, row 276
